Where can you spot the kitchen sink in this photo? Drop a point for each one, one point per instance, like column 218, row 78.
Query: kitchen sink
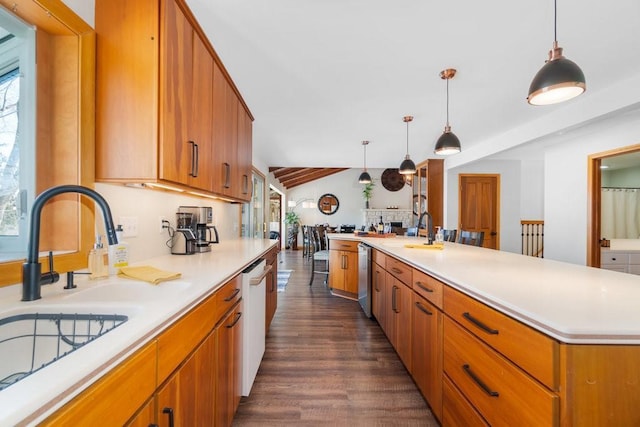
column 31, row 340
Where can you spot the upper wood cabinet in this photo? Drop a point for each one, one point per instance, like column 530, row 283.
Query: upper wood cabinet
column 167, row 111
column 428, row 190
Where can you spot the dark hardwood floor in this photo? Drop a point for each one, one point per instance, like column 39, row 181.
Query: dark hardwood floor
column 327, row 364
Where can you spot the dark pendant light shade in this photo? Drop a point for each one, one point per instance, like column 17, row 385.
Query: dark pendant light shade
column 365, row 178
column 448, row 143
column 407, row 167
column 559, row 79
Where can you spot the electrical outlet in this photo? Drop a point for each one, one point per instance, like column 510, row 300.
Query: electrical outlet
column 129, row 226
column 164, row 224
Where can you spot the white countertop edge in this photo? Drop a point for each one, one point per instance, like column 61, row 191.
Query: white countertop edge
column 549, row 322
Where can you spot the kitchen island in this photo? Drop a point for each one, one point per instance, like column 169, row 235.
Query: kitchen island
column 512, row 339
column 152, row 310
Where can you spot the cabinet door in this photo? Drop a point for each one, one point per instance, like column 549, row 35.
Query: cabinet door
column 426, row 350
column 378, row 294
column 336, row 270
column 350, row 272
column 402, row 323
column 176, row 75
column 200, row 117
column 145, row 417
column 244, row 159
column 188, row 397
column 229, row 367
column 272, row 288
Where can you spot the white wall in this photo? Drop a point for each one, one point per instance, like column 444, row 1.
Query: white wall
column 565, row 203
column 149, row 205
column 344, row 185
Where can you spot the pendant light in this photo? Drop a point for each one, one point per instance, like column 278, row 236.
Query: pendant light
column 560, row 79
column 365, row 178
column 448, row 143
column 407, row 167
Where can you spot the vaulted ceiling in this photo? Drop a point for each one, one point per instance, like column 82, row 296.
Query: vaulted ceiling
column 292, row 177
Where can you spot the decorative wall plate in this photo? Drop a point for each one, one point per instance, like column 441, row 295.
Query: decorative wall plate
column 392, row 180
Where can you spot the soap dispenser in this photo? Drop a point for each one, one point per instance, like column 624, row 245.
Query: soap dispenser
column 439, row 236
column 118, row 253
column 98, row 262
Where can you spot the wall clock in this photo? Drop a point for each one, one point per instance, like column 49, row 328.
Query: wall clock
column 392, row 180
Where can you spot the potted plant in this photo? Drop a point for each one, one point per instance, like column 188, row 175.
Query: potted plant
column 292, row 220
column 367, row 192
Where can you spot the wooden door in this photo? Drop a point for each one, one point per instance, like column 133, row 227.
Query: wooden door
column 426, row 351
column 176, row 58
column 479, row 207
column 404, row 301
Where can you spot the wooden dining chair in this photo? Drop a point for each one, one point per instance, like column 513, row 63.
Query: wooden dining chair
column 473, row 238
column 319, row 252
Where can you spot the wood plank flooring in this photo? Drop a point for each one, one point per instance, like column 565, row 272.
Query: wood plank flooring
column 327, row 364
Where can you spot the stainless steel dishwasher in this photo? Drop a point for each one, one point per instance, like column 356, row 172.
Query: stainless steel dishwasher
column 364, row 278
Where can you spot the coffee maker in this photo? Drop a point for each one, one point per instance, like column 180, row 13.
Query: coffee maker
column 202, row 226
column 183, row 241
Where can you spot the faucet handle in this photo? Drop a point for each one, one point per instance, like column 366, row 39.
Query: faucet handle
column 51, row 276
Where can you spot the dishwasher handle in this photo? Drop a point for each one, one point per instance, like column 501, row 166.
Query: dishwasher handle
column 254, row 281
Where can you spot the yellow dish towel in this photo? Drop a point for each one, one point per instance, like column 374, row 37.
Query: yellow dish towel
column 148, row 274
column 423, row 246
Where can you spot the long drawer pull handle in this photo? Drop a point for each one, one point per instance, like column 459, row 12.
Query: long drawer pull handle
column 233, row 295
column 423, row 287
column 479, row 324
column 396, row 270
column 423, row 308
column 238, row 316
column 480, row 383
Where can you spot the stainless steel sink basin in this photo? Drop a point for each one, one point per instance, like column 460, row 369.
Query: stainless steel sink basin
column 30, row 341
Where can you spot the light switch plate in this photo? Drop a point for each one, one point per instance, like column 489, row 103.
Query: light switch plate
column 129, row 226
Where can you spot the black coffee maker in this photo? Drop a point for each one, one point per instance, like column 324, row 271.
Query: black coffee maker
column 184, row 241
column 200, row 219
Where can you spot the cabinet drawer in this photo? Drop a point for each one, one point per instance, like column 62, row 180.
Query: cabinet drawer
column 614, row 258
column 428, row 287
column 344, row 245
column 226, row 297
column 502, row 393
column 379, row 258
column 531, row 350
column 400, row 270
column 457, row 411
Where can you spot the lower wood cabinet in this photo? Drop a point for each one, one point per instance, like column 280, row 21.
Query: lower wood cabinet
column 229, row 367
column 378, row 279
column 426, row 355
column 343, row 266
column 272, row 287
column 189, row 375
column 457, row 411
column 398, row 301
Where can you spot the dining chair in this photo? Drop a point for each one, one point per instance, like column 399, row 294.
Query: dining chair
column 306, row 242
column 318, row 254
column 473, row 238
column 449, row 235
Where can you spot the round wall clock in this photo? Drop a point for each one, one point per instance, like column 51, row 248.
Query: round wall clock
column 392, row 180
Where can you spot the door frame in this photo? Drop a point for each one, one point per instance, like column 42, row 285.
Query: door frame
column 496, row 204
column 594, row 200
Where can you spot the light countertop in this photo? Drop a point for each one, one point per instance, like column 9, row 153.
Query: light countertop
column 151, row 308
column 569, row 302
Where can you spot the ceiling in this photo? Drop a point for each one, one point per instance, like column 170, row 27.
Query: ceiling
column 321, row 76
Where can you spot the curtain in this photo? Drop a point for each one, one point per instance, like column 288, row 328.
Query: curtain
column 620, row 213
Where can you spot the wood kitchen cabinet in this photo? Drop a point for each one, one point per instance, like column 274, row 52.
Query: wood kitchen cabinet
column 167, row 111
column 398, row 302
column 426, row 352
column 343, row 266
column 428, row 190
column 229, row 367
column 271, row 287
column 378, row 279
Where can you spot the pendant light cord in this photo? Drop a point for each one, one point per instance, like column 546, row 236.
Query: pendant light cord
column 555, row 20
column 407, row 137
column 365, row 157
column 447, row 102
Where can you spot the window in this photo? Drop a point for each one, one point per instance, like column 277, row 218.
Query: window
column 17, row 159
